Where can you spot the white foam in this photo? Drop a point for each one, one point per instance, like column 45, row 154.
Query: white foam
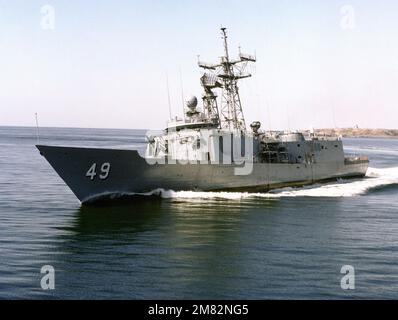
column 343, row 188
column 373, row 150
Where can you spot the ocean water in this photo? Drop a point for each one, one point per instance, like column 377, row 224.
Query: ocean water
column 288, row 244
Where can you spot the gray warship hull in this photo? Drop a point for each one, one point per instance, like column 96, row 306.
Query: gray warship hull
column 126, row 173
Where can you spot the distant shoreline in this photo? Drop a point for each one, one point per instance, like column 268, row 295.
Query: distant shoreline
column 344, row 132
column 359, row 132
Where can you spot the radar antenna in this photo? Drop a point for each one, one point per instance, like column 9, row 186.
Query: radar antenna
column 225, row 75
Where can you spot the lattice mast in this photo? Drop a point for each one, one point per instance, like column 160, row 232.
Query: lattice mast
column 225, row 75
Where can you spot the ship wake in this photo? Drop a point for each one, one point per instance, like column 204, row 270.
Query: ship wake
column 375, row 179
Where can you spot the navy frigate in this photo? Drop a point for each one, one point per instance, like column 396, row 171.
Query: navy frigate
column 209, row 149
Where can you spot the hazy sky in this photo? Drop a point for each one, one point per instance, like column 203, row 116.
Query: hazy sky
column 104, row 63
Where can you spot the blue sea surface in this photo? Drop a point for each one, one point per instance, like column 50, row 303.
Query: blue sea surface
column 291, row 244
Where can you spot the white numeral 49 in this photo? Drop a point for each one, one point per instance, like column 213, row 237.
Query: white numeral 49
column 105, row 170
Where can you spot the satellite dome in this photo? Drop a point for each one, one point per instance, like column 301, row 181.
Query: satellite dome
column 192, row 102
column 256, row 125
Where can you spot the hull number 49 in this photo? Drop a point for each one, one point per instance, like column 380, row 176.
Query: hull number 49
column 105, row 169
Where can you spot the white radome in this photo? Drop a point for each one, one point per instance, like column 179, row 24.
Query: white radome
column 192, row 102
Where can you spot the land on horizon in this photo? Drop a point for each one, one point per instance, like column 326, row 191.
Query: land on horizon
column 359, row 132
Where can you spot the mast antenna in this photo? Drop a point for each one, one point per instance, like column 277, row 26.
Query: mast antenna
column 226, row 75
column 182, row 94
column 37, row 128
column 168, row 94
